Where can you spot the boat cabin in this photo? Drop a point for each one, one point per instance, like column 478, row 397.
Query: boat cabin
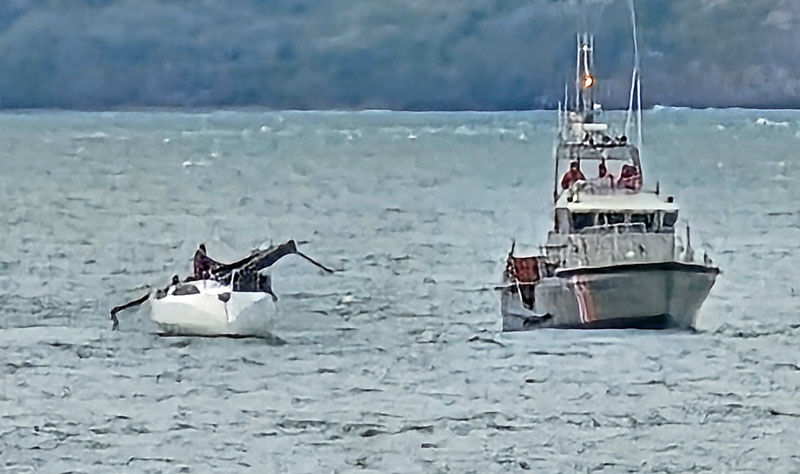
column 632, row 213
column 597, row 226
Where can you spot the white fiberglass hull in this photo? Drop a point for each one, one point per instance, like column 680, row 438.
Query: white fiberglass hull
column 214, row 311
column 655, row 295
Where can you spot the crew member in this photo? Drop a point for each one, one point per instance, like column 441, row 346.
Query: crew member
column 630, row 178
column 572, row 175
column 603, row 175
column 203, row 264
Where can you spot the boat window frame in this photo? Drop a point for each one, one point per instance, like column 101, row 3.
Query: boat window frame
column 669, row 227
column 651, row 218
column 592, row 222
column 607, row 221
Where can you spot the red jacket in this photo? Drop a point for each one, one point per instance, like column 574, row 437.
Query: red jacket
column 571, row 177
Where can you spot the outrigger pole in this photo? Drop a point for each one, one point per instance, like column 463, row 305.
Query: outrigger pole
column 117, row 309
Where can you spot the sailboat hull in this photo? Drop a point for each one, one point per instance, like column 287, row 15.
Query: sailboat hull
column 645, row 295
column 214, row 311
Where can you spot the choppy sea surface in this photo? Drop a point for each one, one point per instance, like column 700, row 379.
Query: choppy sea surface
column 396, row 363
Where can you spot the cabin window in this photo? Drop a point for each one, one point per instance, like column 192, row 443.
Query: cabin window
column 611, row 218
column 582, row 220
column 647, row 219
column 670, row 218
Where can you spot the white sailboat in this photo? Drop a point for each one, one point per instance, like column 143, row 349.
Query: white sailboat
column 231, row 300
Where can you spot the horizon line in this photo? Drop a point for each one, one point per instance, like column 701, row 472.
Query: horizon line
column 265, row 108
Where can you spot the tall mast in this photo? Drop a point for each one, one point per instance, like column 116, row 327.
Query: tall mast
column 584, row 78
column 578, row 42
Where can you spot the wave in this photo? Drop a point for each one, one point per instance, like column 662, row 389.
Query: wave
column 771, row 123
column 669, row 108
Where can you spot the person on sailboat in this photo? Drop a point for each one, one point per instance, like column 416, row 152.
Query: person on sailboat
column 203, row 264
column 572, row 175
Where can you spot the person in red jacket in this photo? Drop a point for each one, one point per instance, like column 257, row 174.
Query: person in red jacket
column 630, row 178
column 572, row 175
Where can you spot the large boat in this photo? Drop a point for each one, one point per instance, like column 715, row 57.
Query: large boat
column 233, row 299
column 612, row 258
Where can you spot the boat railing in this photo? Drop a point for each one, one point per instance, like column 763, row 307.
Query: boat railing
column 595, row 187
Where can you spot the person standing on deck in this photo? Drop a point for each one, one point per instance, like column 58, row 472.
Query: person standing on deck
column 572, row 175
column 203, row 264
column 604, row 176
column 630, row 178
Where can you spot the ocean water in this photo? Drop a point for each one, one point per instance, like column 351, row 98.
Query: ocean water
column 396, row 363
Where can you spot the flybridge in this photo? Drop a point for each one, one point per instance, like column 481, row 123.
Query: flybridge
column 582, row 138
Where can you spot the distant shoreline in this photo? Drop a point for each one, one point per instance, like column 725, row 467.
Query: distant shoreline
column 267, row 109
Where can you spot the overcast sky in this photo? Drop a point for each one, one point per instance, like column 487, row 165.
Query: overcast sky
column 398, row 54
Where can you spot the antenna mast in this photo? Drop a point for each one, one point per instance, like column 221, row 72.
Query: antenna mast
column 636, row 85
